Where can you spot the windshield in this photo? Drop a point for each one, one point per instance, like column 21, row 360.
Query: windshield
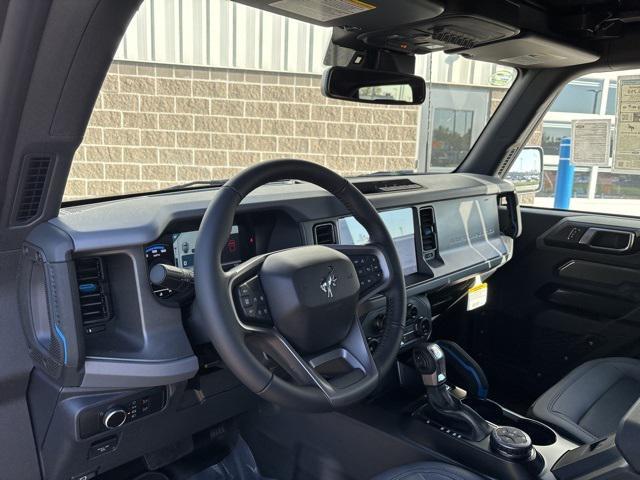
column 200, row 90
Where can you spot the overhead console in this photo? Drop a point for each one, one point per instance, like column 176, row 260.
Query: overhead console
column 451, row 32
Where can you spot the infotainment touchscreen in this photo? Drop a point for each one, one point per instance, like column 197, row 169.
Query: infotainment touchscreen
column 184, row 248
column 400, row 225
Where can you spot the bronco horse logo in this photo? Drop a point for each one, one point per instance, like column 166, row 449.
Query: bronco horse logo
column 328, row 283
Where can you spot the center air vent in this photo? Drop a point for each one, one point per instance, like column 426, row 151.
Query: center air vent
column 324, row 234
column 428, row 232
column 93, row 289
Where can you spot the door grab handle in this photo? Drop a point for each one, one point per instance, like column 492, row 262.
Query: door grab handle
column 591, row 232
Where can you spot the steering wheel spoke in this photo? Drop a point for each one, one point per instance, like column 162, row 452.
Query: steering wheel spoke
column 270, row 343
column 371, row 266
column 338, row 373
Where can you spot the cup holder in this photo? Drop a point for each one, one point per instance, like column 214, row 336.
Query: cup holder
column 492, row 412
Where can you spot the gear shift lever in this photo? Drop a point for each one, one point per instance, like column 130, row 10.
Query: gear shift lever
column 430, row 362
column 450, row 412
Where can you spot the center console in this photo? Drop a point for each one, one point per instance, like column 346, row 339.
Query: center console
column 480, row 434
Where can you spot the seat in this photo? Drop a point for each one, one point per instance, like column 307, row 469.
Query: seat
column 427, row 471
column 591, row 400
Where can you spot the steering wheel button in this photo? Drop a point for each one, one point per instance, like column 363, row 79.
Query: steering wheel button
column 247, row 301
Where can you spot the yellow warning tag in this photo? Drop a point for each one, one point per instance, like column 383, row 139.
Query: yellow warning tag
column 477, row 295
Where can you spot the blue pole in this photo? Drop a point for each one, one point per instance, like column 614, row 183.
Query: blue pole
column 564, row 178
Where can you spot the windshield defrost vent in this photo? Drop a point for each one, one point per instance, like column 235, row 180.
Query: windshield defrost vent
column 324, row 234
column 33, row 183
column 507, row 160
column 93, row 290
column 386, row 186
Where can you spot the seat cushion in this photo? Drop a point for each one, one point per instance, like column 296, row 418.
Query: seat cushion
column 428, row 471
column 591, row 400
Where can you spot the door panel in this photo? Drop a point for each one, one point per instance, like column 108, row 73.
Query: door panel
column 571, row 293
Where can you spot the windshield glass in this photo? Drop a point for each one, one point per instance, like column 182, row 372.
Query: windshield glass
column 201, row 89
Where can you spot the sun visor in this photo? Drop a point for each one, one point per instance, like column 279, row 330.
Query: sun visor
column 530, row 51
column 354, row 14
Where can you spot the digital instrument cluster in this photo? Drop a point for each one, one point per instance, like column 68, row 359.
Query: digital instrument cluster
column 178, row 248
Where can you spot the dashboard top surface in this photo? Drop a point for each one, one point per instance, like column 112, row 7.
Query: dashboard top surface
column 138, row 220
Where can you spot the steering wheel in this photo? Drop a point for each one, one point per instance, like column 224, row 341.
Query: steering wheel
column 285, row 323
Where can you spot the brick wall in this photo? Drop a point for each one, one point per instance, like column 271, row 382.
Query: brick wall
column 157, row 125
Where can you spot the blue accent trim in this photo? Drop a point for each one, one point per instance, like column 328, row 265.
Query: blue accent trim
column 481, row 392
column 156, row 246
column 88, row 288
column 63, row 340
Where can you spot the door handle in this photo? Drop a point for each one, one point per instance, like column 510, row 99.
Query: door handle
column 608, row 239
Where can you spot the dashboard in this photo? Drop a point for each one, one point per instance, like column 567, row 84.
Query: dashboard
column 124, row 349
column 177, row 246
column 446, row 228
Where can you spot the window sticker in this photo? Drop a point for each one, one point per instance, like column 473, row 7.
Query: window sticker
column 627, row 144
column 590, row 142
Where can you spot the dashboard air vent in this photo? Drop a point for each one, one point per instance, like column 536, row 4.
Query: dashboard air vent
column 93, row 290
column 324, row 234
column 32, row 187
column 428, row 232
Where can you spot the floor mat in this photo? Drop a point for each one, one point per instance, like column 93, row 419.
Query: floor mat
column 238, row 465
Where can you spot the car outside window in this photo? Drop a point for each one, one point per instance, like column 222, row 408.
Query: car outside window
column 612, row 186
column 199, row 90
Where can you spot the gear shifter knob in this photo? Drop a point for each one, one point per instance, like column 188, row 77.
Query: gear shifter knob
column 430, row 362
column 449, row 411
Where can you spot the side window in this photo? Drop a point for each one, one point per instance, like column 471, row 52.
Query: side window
column 588, row 165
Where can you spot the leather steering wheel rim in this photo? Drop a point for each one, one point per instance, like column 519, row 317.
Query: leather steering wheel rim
column 215, row 298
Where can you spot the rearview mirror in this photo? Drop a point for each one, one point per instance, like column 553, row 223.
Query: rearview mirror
column 373, row 86
column 526, row 172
